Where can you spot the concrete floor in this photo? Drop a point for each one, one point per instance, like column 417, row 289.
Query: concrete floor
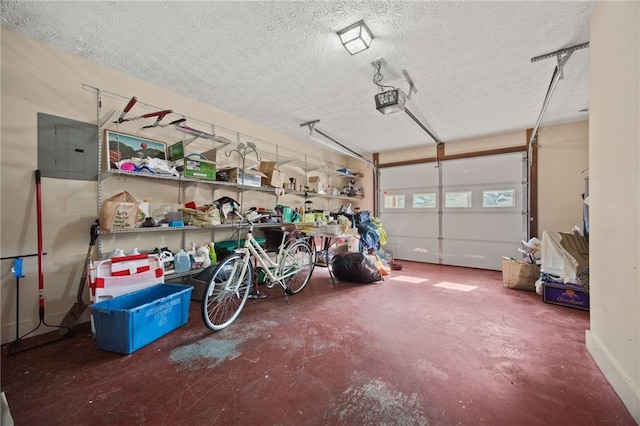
column 399, row 352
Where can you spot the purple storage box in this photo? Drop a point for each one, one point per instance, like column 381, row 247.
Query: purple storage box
column 571, row 295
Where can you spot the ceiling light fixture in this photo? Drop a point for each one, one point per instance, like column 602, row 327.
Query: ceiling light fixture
column 390, row 99
column 356, row 37
column 335, row 145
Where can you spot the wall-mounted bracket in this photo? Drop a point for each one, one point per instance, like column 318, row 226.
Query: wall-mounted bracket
column 561, row 55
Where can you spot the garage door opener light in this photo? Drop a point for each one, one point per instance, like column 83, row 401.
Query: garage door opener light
column 390, row 99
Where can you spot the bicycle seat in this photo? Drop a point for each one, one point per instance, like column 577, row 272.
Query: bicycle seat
column 288, row 227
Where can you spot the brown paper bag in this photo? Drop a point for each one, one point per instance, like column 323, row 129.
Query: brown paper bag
column 519, row 275
column 119, row 212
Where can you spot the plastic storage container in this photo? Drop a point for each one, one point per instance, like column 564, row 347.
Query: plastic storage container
column 126, row 323
column 182, row 261
column 225, row 248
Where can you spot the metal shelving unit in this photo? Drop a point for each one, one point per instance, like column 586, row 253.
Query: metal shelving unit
column 203, row 137
column 195, row 135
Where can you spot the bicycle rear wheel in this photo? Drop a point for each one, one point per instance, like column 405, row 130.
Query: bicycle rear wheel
column 227, row 291
column 297, row 259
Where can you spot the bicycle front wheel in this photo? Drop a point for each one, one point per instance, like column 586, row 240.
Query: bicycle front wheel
column 297, row 262
column 227, row 291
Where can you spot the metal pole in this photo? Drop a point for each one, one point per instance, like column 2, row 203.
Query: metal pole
column 422, row 126
column 340, row 145
column 545, row 104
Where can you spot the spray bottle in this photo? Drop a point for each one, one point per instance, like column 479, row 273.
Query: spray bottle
column 212, row 253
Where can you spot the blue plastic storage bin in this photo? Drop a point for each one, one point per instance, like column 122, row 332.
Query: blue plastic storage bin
column 126, row 323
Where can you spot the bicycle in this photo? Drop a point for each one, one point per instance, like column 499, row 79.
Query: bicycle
column 232, row 279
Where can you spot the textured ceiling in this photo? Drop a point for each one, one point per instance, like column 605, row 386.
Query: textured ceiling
column 281, row 63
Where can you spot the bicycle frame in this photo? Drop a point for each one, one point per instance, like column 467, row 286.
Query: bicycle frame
column 253, row 250
column 232, row 279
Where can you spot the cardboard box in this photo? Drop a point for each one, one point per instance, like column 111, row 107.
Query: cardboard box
column 570, row 295
column 316, row 184
column 353, row 243
column 249, row 177
column 519, row 275
column 273, row 176
column 197, row 168
column 126, row 323
column 210, row 155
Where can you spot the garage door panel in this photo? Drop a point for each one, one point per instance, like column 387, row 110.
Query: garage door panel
column 403, row 176
column 483, row 227
column 415, row 224
column 418, row 249
column 476, row 254
column 482, row 170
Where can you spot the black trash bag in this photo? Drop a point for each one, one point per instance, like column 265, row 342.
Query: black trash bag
column 355, row 268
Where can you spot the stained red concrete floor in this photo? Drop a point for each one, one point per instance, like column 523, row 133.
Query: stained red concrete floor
column 394, row 353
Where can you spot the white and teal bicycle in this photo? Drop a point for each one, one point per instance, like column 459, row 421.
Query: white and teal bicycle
column 232, row 279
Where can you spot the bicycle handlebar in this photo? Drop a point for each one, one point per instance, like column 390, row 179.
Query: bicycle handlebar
column 246, row 222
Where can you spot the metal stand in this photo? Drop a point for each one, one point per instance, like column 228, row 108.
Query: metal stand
column 255, row 292
column 17, row 272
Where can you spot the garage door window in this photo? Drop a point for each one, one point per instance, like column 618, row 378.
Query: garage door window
column 499, row 198
column 457, row 199
column 394, row 201
column 424, row 201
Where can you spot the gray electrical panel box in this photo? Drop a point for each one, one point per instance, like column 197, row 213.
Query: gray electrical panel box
column 67, row 149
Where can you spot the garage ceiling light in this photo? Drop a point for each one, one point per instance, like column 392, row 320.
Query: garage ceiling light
column 356, row 37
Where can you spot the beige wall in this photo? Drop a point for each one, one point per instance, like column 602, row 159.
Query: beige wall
column 563, row 160
column 504, row 140
column 426, row 151
column 614, row 169
column 37, row 78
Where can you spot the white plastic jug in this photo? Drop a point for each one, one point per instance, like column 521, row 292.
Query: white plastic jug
column 117, row 253
column 182, row 261
column 203, row 252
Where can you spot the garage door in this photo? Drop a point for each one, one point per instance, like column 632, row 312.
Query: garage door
column 468, row 212
column 409, row 211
